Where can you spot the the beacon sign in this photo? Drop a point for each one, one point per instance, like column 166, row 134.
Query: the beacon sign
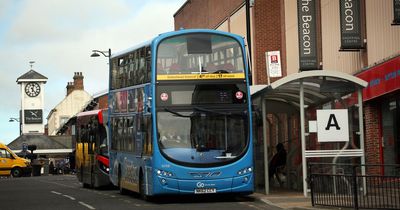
column 350, row 24
column 332, row 125
column 308, row 56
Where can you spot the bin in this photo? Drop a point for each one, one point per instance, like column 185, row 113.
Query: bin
column 36, row 169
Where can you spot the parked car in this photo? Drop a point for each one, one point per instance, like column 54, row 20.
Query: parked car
column 11, row 164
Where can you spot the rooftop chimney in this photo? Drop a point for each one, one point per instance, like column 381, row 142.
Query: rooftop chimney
column 70, row 87
column 78, row 81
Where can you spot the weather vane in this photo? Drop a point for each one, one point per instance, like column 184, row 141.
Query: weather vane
column 31, row 63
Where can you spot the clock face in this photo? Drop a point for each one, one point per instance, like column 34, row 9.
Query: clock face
column 32, row 89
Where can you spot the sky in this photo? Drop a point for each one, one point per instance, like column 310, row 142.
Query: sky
column 59, row 35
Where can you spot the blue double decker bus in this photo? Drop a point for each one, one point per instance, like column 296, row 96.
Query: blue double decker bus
column 180, row 115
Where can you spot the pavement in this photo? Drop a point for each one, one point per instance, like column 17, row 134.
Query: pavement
column 290, row 200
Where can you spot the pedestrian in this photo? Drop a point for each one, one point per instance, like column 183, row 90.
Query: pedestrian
column 72, row 161
column 51, row 167
column 278, row 160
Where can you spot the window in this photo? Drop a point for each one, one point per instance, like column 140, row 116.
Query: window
column 4, row 154
column 131, row 69
column 199, row 53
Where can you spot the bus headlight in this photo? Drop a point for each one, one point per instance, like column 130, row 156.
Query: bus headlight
column 103, row 167
column 164, row 173
column 244, row 171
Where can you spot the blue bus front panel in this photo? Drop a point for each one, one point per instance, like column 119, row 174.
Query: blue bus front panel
column 175, row 179
column 242, row 184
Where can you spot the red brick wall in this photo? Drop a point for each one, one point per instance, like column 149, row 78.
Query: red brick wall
column 268, row 23
column 103, row 102
column 372, row 135
column 204, row 13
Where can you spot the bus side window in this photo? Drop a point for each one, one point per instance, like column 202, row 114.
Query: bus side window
column 148, row 64
column 148, row 146
column 138, row 135
column 82, row 134
column 91, row 136
column 142, row 66
column 136, row 67
column 114, row 134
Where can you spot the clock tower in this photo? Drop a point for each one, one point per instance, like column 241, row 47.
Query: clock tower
column 32, row 102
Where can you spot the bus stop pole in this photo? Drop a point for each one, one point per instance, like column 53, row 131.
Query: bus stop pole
column 266, row 172
column 361, row 135
column 303, row 140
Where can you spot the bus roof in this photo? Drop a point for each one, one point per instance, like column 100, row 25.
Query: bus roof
column 92, row 112
column 146, row 43
column 168, row 34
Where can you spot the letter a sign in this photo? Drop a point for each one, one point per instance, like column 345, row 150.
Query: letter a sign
column 332, row 125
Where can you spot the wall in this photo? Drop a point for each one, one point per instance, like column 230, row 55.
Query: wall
column 383, row 39
column 268, row 35
column 71, row 105
column 333, row 59
column 372, row 134
column 204, row 13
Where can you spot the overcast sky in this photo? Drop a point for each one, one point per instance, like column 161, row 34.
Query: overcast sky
column 59, row 36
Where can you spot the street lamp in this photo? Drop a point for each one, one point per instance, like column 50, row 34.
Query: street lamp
column 13, row 119
column 108, row 55
column 104, row 53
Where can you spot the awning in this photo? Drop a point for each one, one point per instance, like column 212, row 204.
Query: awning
column 320, row 86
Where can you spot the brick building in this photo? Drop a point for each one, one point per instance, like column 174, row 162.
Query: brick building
column 76, row 100
column 275, row 25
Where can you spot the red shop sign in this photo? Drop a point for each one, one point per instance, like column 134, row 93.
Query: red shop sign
column 382, row 78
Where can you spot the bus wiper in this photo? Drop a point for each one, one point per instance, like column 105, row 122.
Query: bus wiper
column 210, row 111
column 175, row 113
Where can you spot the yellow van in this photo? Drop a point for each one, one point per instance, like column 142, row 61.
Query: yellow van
column 11, row 164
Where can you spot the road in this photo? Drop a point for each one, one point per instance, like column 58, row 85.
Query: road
column 65, row 192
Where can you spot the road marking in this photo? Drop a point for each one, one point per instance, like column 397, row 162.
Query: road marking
column 70, row 197
column 58, row 193
column 86, row 205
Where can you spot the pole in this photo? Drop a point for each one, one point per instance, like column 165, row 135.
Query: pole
column 361, row 133
column 303, row 138
column 248, row 36
column 266, row 172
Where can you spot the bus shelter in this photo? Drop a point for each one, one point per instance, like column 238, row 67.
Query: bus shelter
column 317, row 115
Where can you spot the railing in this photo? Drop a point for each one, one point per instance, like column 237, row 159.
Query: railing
column 343, row 185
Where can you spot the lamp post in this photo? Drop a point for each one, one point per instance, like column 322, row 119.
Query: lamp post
column 108, row 55
column 104, row 53
column 13, row 119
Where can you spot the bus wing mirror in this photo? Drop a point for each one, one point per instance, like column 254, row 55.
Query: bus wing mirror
column 149, row 99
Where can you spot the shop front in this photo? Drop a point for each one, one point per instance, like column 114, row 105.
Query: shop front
column 381, row 101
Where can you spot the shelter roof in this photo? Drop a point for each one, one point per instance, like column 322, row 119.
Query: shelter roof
column 320, row 86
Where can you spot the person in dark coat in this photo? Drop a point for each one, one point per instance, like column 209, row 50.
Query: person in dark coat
column 278, row 160
column 71, row 158
column 51, row 168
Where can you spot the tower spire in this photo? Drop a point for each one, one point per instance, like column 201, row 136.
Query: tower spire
column 31, row 64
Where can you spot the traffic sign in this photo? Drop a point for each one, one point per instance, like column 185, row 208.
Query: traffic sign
column 332, row 125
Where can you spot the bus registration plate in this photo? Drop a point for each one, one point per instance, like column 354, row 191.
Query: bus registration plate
column 205, row 190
